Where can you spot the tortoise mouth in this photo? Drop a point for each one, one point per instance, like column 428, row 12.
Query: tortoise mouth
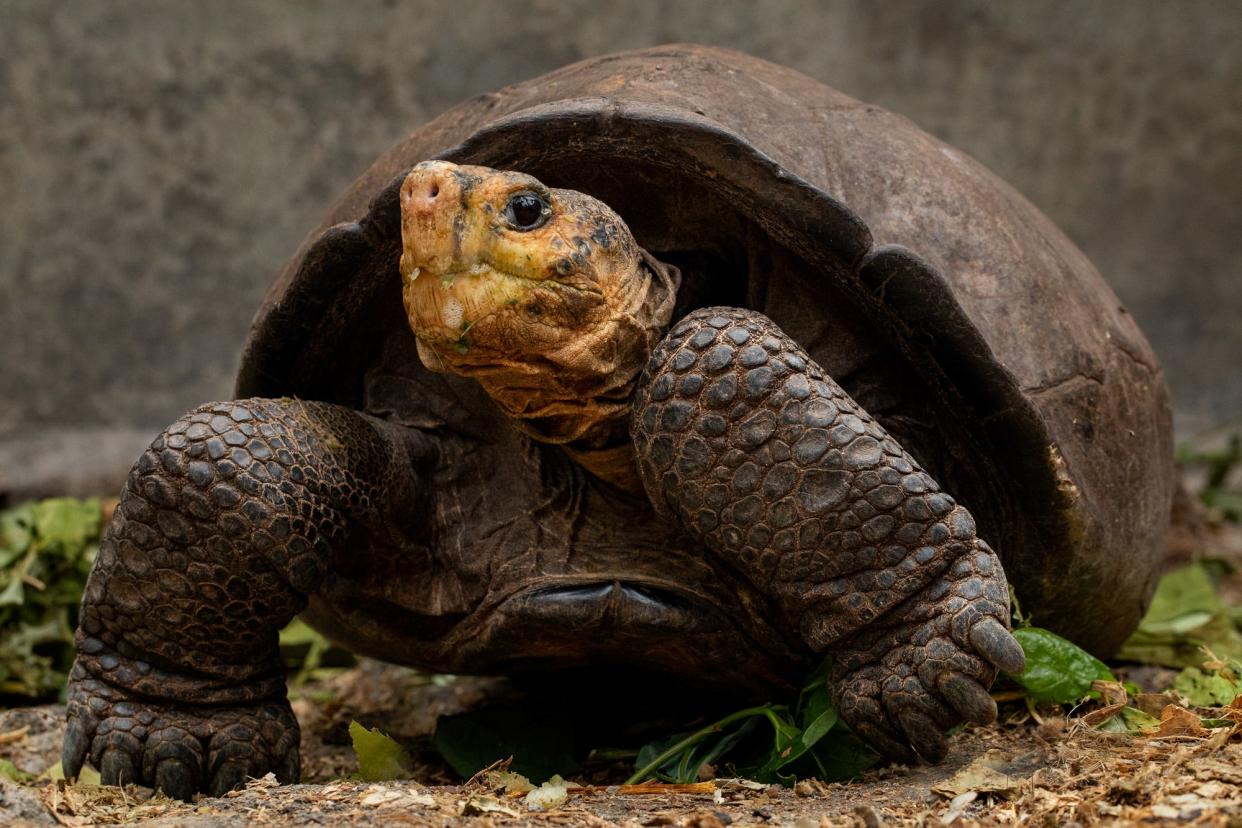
column 619, row 620
column 616, row 604
column 442, row 306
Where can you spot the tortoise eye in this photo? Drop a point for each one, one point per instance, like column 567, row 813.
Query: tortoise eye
column 526, row 211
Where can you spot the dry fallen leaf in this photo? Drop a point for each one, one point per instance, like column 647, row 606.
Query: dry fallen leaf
column 958, row 807
column 1178, row 721
column 376, row 798
column 1111, row 692
column 983, row 775
column 256, row 784
column 508, row 782
column 1103, row 714
column 480, row 805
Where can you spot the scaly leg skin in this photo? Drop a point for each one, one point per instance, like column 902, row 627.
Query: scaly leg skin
column 227, row 522
column 771, row 465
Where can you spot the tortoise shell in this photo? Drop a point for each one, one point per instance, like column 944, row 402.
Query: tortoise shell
column 936, row 295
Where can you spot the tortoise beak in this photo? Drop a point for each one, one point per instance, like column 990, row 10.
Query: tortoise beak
column 430, row 197
column 429, row 185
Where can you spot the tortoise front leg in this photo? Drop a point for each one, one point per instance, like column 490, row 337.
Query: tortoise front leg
column 227, row 522
column 769, row 463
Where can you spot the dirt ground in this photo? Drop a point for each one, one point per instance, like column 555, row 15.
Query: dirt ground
column 1038, row 768
column 1018, row 772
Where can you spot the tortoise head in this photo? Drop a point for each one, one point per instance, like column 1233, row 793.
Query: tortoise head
column 540, row 294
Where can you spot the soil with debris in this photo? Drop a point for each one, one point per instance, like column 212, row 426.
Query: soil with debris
column 1020, row 771
column 1034, row 767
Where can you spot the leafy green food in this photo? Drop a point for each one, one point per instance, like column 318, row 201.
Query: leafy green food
column 810, row 740
column 1057, row 670
column 380, row 758
column 1208, row 688
column 12, row 773
column 46, row 552
column 307, row 655
column 1128, row 720
column 86, row 776
column 680, row 758
column 539, row 739
column 1186, row 615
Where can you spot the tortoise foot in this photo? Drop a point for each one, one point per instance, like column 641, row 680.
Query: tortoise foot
column 908, row 678
column 227, row 523
column 180, row 749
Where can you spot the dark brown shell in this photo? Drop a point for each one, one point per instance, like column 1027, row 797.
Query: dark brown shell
column 934, row 293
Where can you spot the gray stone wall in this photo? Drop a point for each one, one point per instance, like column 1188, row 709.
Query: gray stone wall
column 159, row 161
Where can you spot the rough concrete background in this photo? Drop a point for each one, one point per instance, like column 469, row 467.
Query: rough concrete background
column 159, row 161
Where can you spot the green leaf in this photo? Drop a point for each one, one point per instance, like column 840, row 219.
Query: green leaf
column 1128, row 720
column 1057, row 670
column 301, row 649
column 46, row 550
column 14, row 592
column 1186, row 614
column 819, row 715
column 1171, row 649
column 810, row 741
column 670, row 756
column 696, row 750
column 1212, row 724
column 539, row 739
column 11, row 772
column 16, row 532
column 1181, row 592
column 86, row 776
column 66, row 525
column 380, row 758
column 816, row 712
column 1206, row 689
column 831, row 754
column 307, row 655
column 840, row 755
column 788, row 746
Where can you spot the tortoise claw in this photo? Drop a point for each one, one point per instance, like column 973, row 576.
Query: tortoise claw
column 289, row 770
column 73, row 754
column 175, row 779
column 995, row 643
column 924, row 735
column 229, row 776
column 117, row 767
column 885, row 741
column 968, row 698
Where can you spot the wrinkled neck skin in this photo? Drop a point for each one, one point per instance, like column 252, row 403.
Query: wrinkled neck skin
column 578, row 394
column 555, row 323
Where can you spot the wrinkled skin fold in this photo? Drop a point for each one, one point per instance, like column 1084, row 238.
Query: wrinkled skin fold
column 721, row 489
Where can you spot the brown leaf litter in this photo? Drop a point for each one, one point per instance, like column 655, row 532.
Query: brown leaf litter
column 1017, row 772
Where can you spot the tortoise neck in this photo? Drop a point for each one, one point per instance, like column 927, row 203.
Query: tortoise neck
column 586, row 409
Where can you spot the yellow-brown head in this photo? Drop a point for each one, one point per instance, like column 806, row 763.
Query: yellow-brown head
column 540, row 294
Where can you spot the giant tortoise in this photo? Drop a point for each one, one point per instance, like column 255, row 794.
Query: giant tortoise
column 672, row 359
